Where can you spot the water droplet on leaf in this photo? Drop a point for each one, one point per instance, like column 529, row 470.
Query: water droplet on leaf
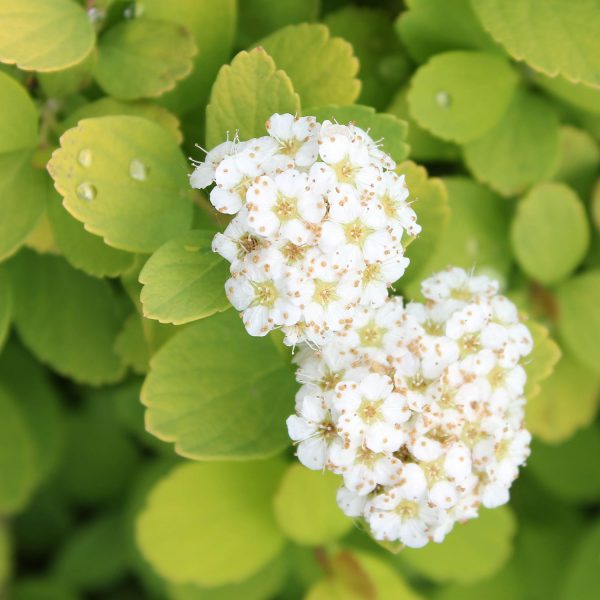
column 444, row 99
column 138, row 170
column 85, row 157
column 86, row 191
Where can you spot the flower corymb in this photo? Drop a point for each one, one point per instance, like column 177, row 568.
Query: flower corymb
column 319, row 227
column 419, row 408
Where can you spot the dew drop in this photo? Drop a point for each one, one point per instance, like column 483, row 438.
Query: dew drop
column 444, row 99
column 86, row 191
column 138, row 170
column 85, row 157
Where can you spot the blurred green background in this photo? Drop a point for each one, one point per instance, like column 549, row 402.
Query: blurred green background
column 501, row 99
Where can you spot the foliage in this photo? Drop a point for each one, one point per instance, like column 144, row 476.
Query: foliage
column 143, row 450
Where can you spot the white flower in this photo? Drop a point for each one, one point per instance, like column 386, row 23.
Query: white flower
column 297, row 137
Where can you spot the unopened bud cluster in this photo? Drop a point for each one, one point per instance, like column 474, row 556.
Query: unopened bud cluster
column 319, row 226
column 419, row 408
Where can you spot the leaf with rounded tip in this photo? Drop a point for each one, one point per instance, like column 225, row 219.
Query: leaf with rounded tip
column 322, row 69
column 44, row 35
column 110, row 107
column 195, row 506
column 143, row 58
column 82, row 249
column 383, row 127
column 245, row 94
column 579, row 318
column 17, row 456
column 550, row 233
column 552, row 36
column 23, row 192
column 520, row 149
column 19, row 123
column 459, row 96
column 184, row 280
column 126, row 179
column 471, row 552
column 219, row 393
column 306, row 508
column 567, row 402
column 74, row 328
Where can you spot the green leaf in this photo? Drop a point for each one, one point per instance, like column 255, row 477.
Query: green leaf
column 263, row 584
column 211, row 523
column 19, row 122
column 520, row 149
column 476, row 236
column 5, row 555
column 74, row 328
column 213, row 25
column 387, row 128
column 567, row 402
column 459, row 96
column 100, row 460
column 44, row 35
column 306, row 508
column 540, row 364
column 576, row 94
column 109, row 107
column 384, row 65
column 95, row 556
column 258, row 18
column 472, row 551
column 6, row 308
column 82, row 249
column 550, row 232
column 143, row 58
column 579, row 318
column 62, row 84
column 245, row 94
column 578, row 160
column 503, row 585
column 219, row 393
column 430, row 202
column 17, row 456
column 23, row 192
column 125, row 179
column 582, row 580
column 322, row 69
column 184, row 280
column 569, row 470
column 423, row 145
column 131, row 345
column 552, row 36
column 430, row 27
column 39, row 404
column 41, row 588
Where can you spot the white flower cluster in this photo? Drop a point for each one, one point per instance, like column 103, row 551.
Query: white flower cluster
column 319, row 227
column 418, row 408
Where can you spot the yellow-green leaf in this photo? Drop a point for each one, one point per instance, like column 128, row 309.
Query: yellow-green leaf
column 306, row 508
column 44, row 35
column 459, row 96
column 322, row 69
column 553, row 36
column 126, row 179
column 211, row 523
column 19, row 121
column 245, row 94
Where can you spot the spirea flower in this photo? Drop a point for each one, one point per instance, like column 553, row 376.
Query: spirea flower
column 320, row 220
column 418, row 408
